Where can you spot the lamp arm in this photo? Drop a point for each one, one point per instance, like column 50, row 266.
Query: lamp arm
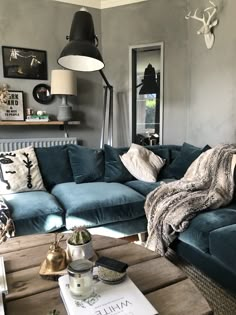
column 110, row 112
column 105, row 79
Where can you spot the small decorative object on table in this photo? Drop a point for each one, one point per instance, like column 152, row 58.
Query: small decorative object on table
column 81, row 278
column 79, row 244
column 55, row 263
column 111, row 271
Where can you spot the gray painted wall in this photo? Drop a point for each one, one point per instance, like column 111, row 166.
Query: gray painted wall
column 143, row 23
column 212, row 81
column 44, row 25
column 199, row 84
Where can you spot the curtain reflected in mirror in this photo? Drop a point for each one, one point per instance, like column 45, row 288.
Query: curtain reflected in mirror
column 147, row 96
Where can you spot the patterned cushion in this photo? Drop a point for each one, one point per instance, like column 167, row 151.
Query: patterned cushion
column 19, row 171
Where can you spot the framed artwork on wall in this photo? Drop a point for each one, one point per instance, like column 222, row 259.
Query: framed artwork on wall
column 14, row 109
column 24, row 63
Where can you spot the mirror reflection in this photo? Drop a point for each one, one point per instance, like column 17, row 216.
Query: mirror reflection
column 147, row 102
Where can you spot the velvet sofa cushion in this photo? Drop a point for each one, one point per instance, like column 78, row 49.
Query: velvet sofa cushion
column 145, row 188
column 208, row 264
column 201, row 227
column 115, row 171
column 161, row 150
column 121, row 229
column 54, row 165
column 87, row 164
column 181, row 163
column 222, row 245
column 35, row 212
column 98, row 203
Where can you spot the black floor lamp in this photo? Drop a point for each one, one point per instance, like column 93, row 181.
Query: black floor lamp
column 82, row 54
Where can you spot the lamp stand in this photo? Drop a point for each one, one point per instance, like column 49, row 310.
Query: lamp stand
column 65, row 110
column 107, row 110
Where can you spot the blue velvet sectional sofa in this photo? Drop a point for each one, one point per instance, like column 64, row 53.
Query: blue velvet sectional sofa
column 93, row 188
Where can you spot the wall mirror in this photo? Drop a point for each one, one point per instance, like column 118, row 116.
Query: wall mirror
column 42, row 94
column 146, row 99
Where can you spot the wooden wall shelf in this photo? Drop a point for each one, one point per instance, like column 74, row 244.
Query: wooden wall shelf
column 30, row 123
column 62, row 124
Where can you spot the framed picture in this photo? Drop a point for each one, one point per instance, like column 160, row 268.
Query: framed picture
column 14, row 109
column 24, row 63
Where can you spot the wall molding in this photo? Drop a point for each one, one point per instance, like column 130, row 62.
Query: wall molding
column 115, row 3
column 100, row 4
column 85, row 3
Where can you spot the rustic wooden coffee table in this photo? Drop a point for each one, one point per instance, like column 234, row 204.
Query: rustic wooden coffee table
column 164, row 284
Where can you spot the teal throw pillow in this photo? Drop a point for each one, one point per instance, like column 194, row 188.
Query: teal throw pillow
column 184, row 159
column 162, row 151
column 54, row 165
column 115, row 171
column 87, row 164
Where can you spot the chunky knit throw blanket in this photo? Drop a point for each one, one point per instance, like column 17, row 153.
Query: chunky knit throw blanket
column 7, row 227
column 208, row 183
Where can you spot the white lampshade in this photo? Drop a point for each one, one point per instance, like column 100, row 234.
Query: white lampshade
column 63, row 82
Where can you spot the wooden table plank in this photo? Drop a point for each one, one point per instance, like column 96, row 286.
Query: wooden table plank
column 25, row 258
column 129, row 253
column 155, row 274
column 182, row 298
column 103, row 242
column 23, row 242
column 38, row 304
column 27, row 282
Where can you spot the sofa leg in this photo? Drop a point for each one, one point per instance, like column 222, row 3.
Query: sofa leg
column 142, row 237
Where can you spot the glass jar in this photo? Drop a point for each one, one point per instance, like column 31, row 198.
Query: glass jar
column 81, row 278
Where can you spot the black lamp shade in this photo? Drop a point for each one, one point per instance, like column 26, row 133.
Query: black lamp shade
column 81, row 53
column 150, row 85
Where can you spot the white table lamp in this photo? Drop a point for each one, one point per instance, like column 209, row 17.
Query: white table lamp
column 63, row 82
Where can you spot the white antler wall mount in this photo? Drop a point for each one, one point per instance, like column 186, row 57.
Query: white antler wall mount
column 208, row 21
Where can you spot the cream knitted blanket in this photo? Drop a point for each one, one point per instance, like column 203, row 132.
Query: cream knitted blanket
column 208, row 183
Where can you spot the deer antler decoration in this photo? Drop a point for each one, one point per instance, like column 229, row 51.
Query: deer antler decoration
column 208, row 23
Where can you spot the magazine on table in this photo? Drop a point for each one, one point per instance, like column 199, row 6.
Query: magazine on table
column 123, row 299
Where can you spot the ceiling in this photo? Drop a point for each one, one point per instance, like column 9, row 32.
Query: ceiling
column 100, row 4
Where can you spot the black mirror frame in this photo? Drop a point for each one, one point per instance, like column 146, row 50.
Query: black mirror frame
column 46, row 99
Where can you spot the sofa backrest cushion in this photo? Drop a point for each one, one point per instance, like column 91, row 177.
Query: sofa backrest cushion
column 54, row 165
column 168, row 152
column 184, row 159
column 87, row 164
column 20, row 171
column 161, row 150
column 115, row 171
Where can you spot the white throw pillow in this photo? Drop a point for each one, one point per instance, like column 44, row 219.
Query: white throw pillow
column 142, row 163
column 19, row 171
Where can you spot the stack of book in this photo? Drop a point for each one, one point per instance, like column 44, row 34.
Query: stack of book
column 123, row 298
column 31, row 118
